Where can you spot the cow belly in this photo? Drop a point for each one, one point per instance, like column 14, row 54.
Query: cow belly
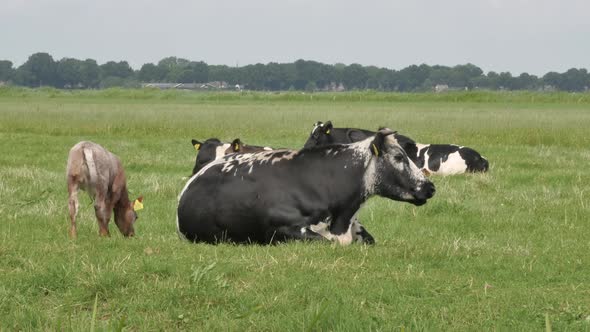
column 239, row 213
column 207, row 217
column 453, row 165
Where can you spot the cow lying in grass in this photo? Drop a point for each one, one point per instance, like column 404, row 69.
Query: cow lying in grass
column 213, row 148
column 100, row 173
column 280, row 195
column 442, row 159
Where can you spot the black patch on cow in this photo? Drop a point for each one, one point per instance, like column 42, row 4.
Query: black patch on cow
column 439, row 153
column 355, row 135
column 409, row 146
column 365, row 236
column 474, row 161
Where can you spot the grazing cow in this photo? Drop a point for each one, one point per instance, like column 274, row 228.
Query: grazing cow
column 443, row 159
column 213, row 149
column 100, row 173
column 280, row 195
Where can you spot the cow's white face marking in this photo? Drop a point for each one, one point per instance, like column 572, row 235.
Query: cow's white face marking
column 373, row 177
column 220, row 150
column 415, row 173
column 316, row 126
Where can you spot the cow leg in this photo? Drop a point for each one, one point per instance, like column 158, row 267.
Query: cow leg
column 73, row 206
column 345, row 228
column 287, row 233
column 103, row 215
column 359, row 233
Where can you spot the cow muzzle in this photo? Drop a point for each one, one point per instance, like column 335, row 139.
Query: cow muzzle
column 426, row 192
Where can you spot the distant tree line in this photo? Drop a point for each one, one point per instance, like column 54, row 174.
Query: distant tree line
column 42, row 70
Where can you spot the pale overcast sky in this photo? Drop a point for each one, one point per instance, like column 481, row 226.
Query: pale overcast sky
column 534, row 36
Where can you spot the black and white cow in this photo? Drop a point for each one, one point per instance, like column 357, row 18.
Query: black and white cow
column 443, row 159
column 208, row 151
column 213, row 148
column 280, row 195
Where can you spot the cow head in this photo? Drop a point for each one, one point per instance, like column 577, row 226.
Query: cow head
column 208, row 151
column 395, row 176
column 237, row 146
column 126, row 216
column 475, row 162
column 320, row 135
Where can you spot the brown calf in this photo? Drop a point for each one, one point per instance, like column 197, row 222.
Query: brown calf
column 100, row 173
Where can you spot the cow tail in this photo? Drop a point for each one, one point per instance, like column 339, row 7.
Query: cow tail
column 88, row 155
column 74, row 165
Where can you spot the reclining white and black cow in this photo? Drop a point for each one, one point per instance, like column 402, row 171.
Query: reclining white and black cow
column 442, row 159
column 281, row 195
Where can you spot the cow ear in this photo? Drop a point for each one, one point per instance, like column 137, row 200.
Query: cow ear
column 138, row 203
column 327, row 127
column 236, row 145
column 196, row 144
column 378, row 145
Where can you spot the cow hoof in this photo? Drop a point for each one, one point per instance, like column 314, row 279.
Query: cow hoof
column 368, row 240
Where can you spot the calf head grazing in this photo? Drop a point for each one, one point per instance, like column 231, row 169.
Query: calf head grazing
column 100, row 173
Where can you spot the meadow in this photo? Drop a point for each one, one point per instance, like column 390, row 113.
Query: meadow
column 504, row 250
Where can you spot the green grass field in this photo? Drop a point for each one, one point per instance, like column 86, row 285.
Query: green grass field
column 507, row 250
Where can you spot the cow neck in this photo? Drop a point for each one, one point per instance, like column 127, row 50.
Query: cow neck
column 121, row 205
column 348, row 165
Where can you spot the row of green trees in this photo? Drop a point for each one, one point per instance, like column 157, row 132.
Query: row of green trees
column 42, row 70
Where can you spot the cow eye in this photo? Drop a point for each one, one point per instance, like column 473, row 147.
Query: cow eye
column 399, row 158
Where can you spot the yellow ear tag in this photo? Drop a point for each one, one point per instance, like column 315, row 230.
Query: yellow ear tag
column 236, row 147
column 137, row 205
column 328, row 132
column 197, row 146
column 375, row 150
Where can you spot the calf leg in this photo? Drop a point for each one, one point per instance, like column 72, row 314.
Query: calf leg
column 103, row 215
column 73, row 207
